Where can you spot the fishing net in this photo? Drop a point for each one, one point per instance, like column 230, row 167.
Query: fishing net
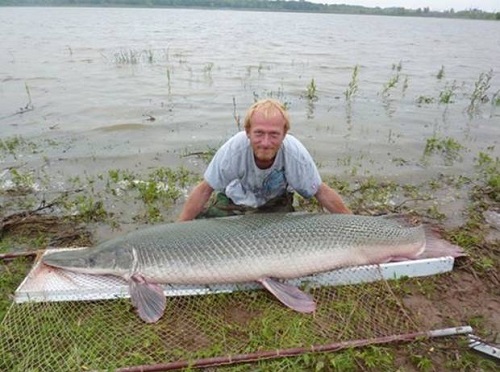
column 199, row 323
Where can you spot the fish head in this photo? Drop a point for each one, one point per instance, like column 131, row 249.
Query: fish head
column 89, row 261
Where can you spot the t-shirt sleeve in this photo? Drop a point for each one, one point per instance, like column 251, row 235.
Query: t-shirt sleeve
column 301, row 171
column 222, row 169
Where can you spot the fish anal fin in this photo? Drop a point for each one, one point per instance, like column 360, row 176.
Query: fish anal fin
column 148, row 298
column 290, row 295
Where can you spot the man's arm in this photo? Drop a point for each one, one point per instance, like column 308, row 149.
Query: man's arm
column 196, row 201
column 330, row 200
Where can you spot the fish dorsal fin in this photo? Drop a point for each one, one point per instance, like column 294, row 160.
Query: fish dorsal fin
column 290, row 295
column 147, row 298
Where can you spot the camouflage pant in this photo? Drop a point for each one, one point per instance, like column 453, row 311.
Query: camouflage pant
column 222, row 206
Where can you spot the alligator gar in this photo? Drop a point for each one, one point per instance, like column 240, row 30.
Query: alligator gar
column 256, row 247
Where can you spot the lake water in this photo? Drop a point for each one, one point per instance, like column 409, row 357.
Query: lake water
column 95, row 76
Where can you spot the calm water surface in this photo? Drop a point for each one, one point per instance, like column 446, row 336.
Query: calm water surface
column 95, row 77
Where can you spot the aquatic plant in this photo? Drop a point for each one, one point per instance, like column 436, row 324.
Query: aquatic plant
column 440, row 74
column 495, row 99
column 447, row 147
column 207, row 70
column 135, row 56
column 406, row 83
column 352, row 88
column 424, row 100
column 15, row 145
column 127, row 56
column 397, row 67
column 393, row 81
column 278, row 94
column 311, row 91
column 169, row 80
column 490, row 173
column 236, row 116
column 446, row 95
column 29, row 106
column 479, row 95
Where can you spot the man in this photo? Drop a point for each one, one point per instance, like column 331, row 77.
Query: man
column 258, row 169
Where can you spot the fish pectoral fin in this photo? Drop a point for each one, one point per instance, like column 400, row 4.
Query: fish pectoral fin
column 148, row 298
column 290, row 295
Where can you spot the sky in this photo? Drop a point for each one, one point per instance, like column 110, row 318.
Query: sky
column 439, row 5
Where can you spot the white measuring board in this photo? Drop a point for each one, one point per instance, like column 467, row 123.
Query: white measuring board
column 45, row 284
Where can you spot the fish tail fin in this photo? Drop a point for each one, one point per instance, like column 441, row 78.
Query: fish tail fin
column 436, row 246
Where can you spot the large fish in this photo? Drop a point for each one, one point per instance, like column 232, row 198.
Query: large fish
column 256, row 247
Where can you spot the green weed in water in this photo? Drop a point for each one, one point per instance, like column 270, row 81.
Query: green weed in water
column 440, row 74
column 495, row 99
column 490, row 173
column 397, row 67
column 424, row 100
column 448, row 147
column 311, row 91
column 23, row 181
column 352, row 88
column 446, row 96
column 278, row 94
column 393, row 81
column 479, row 95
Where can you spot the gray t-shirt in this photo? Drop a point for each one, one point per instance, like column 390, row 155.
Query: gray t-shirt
column 234, row 172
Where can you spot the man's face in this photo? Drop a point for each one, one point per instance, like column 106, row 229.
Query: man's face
column 266, row 134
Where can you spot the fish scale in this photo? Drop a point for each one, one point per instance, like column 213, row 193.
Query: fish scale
column 218, row 246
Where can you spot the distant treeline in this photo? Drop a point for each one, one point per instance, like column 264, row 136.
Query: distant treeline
column 270, row 5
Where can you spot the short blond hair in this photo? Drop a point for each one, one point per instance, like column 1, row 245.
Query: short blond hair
column 268, row 107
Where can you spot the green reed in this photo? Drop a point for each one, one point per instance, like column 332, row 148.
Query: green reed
column 352, row 88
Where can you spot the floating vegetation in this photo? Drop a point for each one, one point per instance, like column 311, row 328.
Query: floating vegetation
column 425, row 100
column 352, row 88
column 490, row 171
column 135, row 56
column 159, row 189
column 446, row 96
column 447, row 147
column 13, row 146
